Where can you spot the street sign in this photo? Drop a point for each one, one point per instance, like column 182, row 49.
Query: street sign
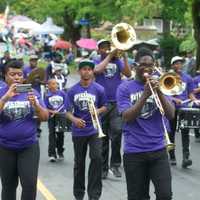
column 84, row 22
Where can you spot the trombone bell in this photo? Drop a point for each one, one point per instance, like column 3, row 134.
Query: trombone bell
column 170, row 84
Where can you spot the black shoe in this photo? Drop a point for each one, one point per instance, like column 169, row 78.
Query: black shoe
column 104, row 174
column 115, row 172
column 52, row 159
column 173, row 161
column 61, row 156
column 78, row 198
column 186, row 162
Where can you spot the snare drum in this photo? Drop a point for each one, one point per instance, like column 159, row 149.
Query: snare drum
column 188, row 118
column 61, row 124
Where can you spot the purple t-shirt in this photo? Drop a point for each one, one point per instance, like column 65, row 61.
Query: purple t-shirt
column 197, row 85
column 77, row 100
column 27, row 70
column 56, row 100
column 2, row 84
column 110, row 79
column 188, row 85
column 18, row 127
column 146, row 132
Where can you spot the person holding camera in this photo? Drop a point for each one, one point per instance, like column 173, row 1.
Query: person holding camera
column 19, row 148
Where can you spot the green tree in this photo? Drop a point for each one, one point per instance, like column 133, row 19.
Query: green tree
column 196, row 26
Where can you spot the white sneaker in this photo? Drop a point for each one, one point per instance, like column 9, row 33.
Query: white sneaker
column 52, row 159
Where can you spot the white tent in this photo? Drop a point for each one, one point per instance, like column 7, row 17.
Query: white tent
column 49, row 27
column 23, row 22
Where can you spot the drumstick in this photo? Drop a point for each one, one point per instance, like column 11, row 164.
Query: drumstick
column 186, row 101
column 58, row 110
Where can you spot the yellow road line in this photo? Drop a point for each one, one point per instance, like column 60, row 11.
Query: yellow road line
column 45, row 192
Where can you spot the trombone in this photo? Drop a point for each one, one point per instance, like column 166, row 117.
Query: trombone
column 94, row 117
column 169, row 84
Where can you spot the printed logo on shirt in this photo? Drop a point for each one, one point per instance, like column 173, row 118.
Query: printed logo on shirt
column 148, row 109
column 110, row 70
column 56, row 101
column 15, row 110
column 81, row 100
column 183, row 86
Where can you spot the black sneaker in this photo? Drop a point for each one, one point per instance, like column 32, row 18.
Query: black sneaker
column 172, row 161
column 115, row 172
column 52, row 159
column 186, row 163
column 104, row 174
column 61, row 156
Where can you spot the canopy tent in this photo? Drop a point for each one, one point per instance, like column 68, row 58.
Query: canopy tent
column 152, row 44
column 49, row 27
column 24, row 22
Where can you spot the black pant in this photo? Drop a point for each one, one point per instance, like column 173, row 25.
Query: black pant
column 140, row 167
column 197, row 133
column 185, row 137
column 56, row 139
column 94, row 187
column 19, row 164
column 112, row 127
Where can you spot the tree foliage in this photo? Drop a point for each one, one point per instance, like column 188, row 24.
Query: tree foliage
column 68, row 12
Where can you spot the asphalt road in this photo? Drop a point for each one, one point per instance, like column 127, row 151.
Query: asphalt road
column 56, row 179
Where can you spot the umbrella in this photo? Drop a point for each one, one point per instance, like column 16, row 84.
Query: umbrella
column 23, row 41
column 87, row 43
column 61, row 44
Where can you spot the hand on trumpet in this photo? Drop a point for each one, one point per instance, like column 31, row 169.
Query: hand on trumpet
column 80, row 123
column 115, row 53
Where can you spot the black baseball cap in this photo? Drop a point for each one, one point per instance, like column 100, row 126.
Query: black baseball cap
column 86, row 62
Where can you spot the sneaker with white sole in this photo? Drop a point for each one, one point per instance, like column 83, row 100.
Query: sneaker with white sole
column 61, row 156
column 52, row 159
column 115, row 172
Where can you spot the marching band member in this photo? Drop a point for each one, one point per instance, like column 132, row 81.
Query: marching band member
column 83, row 132
column 55, row 101
column 187, row 93
column 108, row 74
column 19, row 148
column 145, row 155
column 197, row 94
column 33, row 62
column 33, row 65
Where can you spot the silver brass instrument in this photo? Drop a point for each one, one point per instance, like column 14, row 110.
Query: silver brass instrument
column 95, row 118
column 123, row 37
column 168, row 143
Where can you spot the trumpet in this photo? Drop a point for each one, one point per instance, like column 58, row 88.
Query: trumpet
column 167, row 84
column 95, row 118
